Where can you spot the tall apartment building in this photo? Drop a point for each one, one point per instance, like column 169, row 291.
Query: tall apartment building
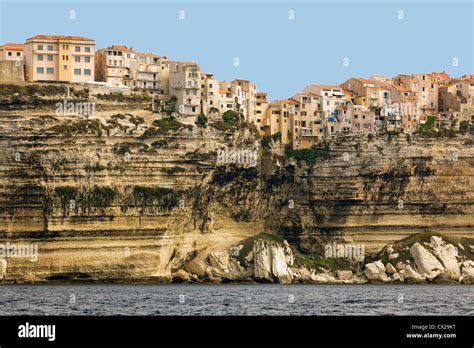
column 261, row 112
column 152, row 73
column 226, row 97
column 185, row 85
column 308, row 127
column 116, row 65
column 209, row 94
column 245, row 98
column 426, row 88
column 457, row 97
column 466, row 88
column 368, row 90
column 332, row 96
column 11, row 51
column 363, row 120
column 279, row 119
column 59, row 58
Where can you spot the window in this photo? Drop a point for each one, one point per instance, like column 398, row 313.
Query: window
column 50, row 70
column 18, row 54
column 77, row 71
column 10, row 54
column 87, row 59
column 40, row 57
column 77, row 49
column 87, row 72
column 50, row 58
column 87, row 49
column 40, row 47
column 40, row 70
column 77, row 59
column 50, row 47
column 65, row 67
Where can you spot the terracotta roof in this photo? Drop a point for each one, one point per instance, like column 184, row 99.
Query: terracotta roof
column 148, row 54
column 222, row 91
column 361, row 79
column 326, row 86
column 59, row 37
column 442, row 75
column 401, row 88
column 121, row 48
column 288, row 101
column 13, row 46
column 346, row 91
column 261, row 94
column 446, row 85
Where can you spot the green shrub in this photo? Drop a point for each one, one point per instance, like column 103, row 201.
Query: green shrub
column 161, row 196
column 170, row 123
column 80, row 127
column 65, row 194
column 309, row 155
column 464, row 127
column 101, row 196
column 201, row 120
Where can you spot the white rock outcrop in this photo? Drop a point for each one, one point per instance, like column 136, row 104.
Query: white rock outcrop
column 467, row 275
column 389, row 269
column 411, row 275
column 219, row 260
column 447, row 253
column 3, row 268
column 344, row 275
column 376, row 271
column 426, row 263
column 270, row 259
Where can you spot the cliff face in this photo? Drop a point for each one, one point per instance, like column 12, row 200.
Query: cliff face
column 107, row 199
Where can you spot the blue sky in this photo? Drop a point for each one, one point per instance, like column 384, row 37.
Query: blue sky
column 279, row 54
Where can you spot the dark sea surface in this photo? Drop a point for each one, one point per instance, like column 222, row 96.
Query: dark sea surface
column 236, row 299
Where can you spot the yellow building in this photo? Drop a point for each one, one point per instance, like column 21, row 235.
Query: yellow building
column 280, row 118
column 425, row 86
column 261, row 112
column 116, row 65
column 59, row 58
column 367, row 91
column 308, row 118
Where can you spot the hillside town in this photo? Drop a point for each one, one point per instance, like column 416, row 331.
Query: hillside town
column 374, row 104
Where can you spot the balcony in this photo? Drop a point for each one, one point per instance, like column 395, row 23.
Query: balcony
column 306, row 132
column 191, row 103
column 149, row 69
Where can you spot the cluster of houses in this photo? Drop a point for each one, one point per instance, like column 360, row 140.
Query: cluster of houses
column 318, row 112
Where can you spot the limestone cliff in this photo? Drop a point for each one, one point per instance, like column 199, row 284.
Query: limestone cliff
column 121, row 197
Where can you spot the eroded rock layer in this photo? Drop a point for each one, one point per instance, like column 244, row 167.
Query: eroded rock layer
column 102, row 199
